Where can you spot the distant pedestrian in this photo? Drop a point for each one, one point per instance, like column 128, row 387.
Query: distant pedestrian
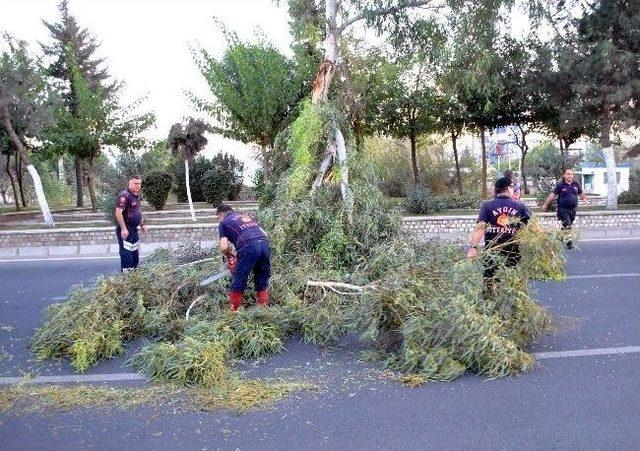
column 498, row 222
column 516, row 186
column 129, row 216
column 567, row 191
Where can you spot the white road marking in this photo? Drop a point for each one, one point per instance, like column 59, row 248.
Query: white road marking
column 58, row 298
column 631, row 238
column 47, row 259
column 109, row 377
column 598, row 276
column 587, row 352
column 118, row 377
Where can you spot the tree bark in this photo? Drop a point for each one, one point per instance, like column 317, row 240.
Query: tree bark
column 265, row 162
column 13, row 183
column 92, row 191
column 484, row 164
column 341, row 150
column 79, row 184
column 61, row 168
column 523, row 172
column 20, row 178
column 20, row 150
column 186, row 177
column 414, row 156
column 454, row 140
column 524, row 148
column 609, row 157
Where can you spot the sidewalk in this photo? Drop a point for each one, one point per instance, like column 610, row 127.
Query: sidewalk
column 111, row 250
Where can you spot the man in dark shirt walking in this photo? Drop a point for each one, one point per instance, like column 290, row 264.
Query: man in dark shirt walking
column 567, row 192
column 129, row 216
column 252, row 250
column 498, row 222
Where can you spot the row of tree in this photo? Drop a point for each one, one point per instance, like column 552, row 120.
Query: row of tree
column 443, row 66
column 63, row 104
column 447, row 67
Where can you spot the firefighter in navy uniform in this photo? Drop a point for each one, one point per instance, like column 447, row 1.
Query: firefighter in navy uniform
column 129, row 216
column 252, row 251
column 567, row 192
column 498, row 222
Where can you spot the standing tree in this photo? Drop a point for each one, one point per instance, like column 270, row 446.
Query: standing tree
column 186, row 141
column 25, row 104
column 558, row 112
column 407, row 105
column 604, row 50
column 255, row 89
column 67, row 34
column 23, row 94
column 452, row 121
column 96, row 123
column 609, row 66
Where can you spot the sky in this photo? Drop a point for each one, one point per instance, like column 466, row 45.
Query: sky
column 147, row 45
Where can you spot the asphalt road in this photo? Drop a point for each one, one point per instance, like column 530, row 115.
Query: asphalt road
column 573, row 402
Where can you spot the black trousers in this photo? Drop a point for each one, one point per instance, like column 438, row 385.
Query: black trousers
column 566, row 216
column 512, row 255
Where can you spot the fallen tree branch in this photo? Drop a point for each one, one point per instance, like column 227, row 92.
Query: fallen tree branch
column 199, row 298
column 335, row 286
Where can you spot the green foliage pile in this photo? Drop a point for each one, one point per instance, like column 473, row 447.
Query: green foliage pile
column 156, row 188
column 339, row 267
column 305, row 138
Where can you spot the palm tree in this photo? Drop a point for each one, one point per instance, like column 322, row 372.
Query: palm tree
column 186, row 141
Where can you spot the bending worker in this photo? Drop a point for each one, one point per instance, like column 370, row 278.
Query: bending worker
column 128, row 215
column 499, row 221
column 251, row 245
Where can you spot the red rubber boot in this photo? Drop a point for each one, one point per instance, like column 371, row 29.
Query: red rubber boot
column 235, row 299
column 263, row 298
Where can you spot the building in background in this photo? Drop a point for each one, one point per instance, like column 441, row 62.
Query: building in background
column 594, row 178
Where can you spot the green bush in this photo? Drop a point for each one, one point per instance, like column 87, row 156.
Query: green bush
column 421, row 200
column 156, row 188
column 633, row 195
column 233, row 170
column 544, row 192
column 227, row 164
column 197, row 168
column 469, row 200
column 215, row 186
column 629, row 197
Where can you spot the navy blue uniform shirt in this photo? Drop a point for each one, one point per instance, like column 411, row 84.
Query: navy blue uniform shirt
column 567, row 194
column 503, row 217
column 131, row 211
column 240, row 228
